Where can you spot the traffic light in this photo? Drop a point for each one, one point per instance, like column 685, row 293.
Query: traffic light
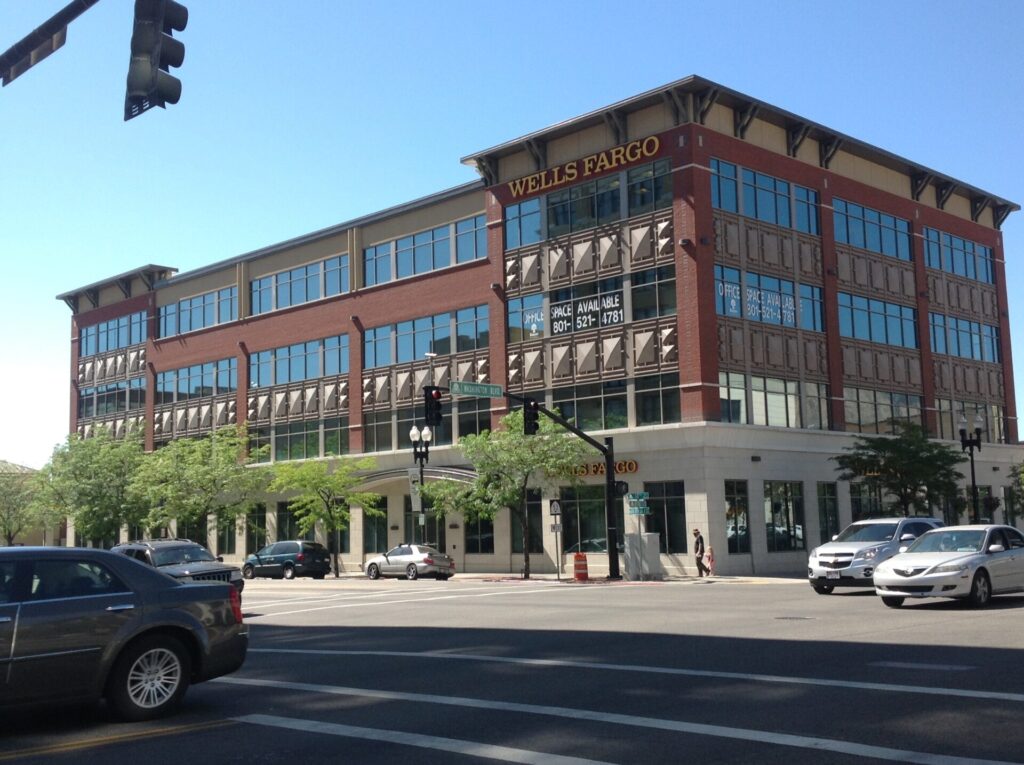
column 432, row 405
column 531, row 416
column 154, row 51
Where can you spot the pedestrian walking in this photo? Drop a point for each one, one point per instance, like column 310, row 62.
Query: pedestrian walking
column 698, row 551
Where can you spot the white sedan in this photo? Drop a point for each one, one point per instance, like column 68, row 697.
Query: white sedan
column 412, row 562
column 969, row 562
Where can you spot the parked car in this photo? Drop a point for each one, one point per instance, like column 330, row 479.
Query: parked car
column 183, row 559
column 289, row 559
column 412, row 562
column 79, row 625
column 849, row 560
column 969, row 562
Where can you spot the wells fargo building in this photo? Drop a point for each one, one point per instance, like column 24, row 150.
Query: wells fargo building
column 731, row 291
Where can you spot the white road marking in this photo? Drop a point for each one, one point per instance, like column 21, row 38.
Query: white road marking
column 782, row 679
column 674, row 726
column 922, row 666
column 458, row 746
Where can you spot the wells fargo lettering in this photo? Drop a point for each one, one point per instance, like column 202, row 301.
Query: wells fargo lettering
column 627, row 154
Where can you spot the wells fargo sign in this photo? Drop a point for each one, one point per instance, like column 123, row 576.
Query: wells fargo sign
column 578, row 169
column 597, row 468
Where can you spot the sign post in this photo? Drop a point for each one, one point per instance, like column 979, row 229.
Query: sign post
column 555, row 509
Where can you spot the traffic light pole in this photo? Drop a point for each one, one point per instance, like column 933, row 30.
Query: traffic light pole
column 608, row 450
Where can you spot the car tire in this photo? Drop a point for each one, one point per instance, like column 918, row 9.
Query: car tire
column 823, row 589
column 149, row 678
column 248, row 571
column 373, row 571
column 981, row 590
column 411, row 572
column 892, row 601
column 288, row 572
column 319, row 576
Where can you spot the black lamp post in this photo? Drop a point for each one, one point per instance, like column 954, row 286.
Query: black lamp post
column 971, row 444
column 420, row 446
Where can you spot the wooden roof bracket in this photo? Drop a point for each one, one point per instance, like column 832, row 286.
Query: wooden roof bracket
column 943, row 191
column 616, row 122
column 918, row 183
column 978, row 205
column 705, row 100
column 827, row 149
column 796, row 133
column 538, row 149
column 741, row 119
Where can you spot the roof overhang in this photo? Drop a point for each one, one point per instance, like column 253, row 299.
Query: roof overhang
column 149, row 275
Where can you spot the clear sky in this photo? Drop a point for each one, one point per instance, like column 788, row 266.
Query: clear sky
column 299, row 115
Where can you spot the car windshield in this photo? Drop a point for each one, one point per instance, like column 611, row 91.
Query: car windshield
column 429, row 550
column 949, row 541
column 171, row 556
column 867, row 532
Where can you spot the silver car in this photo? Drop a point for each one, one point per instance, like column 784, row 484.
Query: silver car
column 412, row 562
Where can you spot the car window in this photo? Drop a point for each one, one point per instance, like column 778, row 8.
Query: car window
column 171, row 556
column 944, row 540
column 312, row 546
column 268, row 550
column 917, row 528
column 53, row 579
column 287, row 548
column 998, row 538
column 6, row 581
column 1015, row 538
column 394, row 551
column 868, row 532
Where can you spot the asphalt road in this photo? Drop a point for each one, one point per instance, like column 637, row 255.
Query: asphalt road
column 480, row 670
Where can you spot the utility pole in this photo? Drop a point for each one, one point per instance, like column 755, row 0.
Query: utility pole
column 43, row 41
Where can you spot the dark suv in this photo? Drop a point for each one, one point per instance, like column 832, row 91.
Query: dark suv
column 289, row 559
column 185, row 560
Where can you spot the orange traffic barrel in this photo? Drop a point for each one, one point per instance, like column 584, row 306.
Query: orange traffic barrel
column 580, row 567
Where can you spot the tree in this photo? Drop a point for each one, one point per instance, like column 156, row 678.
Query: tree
column 323, row 493
column 507, row 462
column 910, row 467
column 190, row 479
column 89, row 481
column 16, row 505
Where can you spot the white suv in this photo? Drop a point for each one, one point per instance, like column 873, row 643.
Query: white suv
column 849, row 560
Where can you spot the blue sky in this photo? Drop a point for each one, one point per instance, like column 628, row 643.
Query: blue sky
column 297, row 116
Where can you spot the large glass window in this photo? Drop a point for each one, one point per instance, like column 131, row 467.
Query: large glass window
column 522, row 224
column 958, row 256
column 583, row 519
column 869, row 229
column 654, row 292
column 427, row 334
column 377, row 432
column 583, row 206
column 765, row 198
column 377, row 264
column 828, row 511
column 806, row 202
column 375, row 531
column 657, row 399
column 723, row 186
column 865, row 501
column 377, row 347
column 471, row 239
column 784, row 515
column 774, row 402
column 594, row 406
column 525, row 318
column 770, row 300
column 198, row 381
column 876, row 411
column 732, row 395
column 472, row 328
column 113, row 335
column 667, row 518
column 535, row 521
column 423, row 252
column 649, row 187
column 336, row 275
column 877, row 321
column 737, row 517
column 480, row 536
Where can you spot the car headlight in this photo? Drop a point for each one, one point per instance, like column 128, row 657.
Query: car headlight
column 185, row 579
column 814, row 553
column 950, row 568
column 869, row 554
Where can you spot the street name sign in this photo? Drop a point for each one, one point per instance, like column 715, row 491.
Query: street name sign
column 480, row 390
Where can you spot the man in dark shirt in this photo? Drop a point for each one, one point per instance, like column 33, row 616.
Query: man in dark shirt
column 698, row 550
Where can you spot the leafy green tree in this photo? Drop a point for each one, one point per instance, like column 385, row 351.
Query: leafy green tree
column 16, row 505
column 324, row 492
column 916, row 471
column 190, row 479
column 89, row 480
column 507, row 462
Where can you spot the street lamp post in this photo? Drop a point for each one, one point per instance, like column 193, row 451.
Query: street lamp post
column 420, row 447
column 971, row 444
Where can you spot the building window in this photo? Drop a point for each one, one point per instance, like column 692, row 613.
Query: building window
column 377, row 347
column 259, row 443
column 375, row 532
column 474, row 416
column 417, row 337
column 583, row 206
column 737, row 517
column 199, row 381
column 525, row 318
column 377, row 264
column 876, row 411
column 732, row 397
column 190, row 314
column 865, row 501
column 811, row 312
column 950, row 411
column 728, row 293
column 472, row 328
column 301, row 361
column 784, row 515
column 765, row 198
column 226, row 536
column 471, row 239
column 654, row 292
column 377, row 432
column 297, row 440
column 723, row 186
column 828, row 511
column 112, row 335
column 774, row 402
column 877, row 321
column 423, row 252
column 288, row 525
column 522, row 224
column 535, row 522
column 657, row 399
column 336, row 436
column 806, row 202
column 336, row 275
column 430, row 532
column 667, row 519
column 256, row 529
column 649, row 187
column 815, row 406
column 871, row 230
column 300, row 285
column 958, row 256
column 583, row 519
column 770, row 300
column 964, row 338
column 595, row 406
column 480, row 536
column 587, row 306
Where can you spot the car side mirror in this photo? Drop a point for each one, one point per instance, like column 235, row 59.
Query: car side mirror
column 907, row 538
column 220, row 558
column 996, row 548
column 835, row 537
column 904, row 548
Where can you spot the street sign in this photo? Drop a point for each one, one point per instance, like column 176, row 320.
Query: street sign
column 635, row 510
column 638, row 495
column 556, row 527
column 556, row 507
column 480, row 390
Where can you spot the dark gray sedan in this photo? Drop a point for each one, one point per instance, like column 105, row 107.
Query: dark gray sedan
column 80, row 625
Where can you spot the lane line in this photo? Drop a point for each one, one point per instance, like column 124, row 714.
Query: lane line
column 458, row 746
column 91, row 743
column 565, row 663
column 672, row 726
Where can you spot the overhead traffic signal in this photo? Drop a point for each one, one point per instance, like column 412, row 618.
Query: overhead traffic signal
column 531, row 416
column 432, row 405
column 154, row 52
